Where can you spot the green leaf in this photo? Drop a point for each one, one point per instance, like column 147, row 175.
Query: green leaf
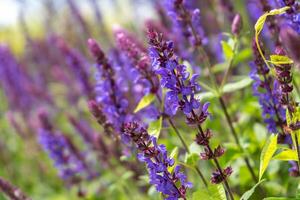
column 227, row 88
column 249, row 193
column 261, row 20
column 280, row 59
column 213, row 192
column 286, row 155
column 155, row 127
column 267, row 152
column 232, row 87
column 260, row 24
column 174, row 153
column 242, row 56
column 191, row 159
column 144, row 102
column 227, row 50
column 293, row 118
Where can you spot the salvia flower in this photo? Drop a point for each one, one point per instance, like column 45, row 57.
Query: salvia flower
column 174, row 77
column 292, row 15
column 172, row 185
column 70, row 167
column 78, row 65
column 95, row 141
column 15, row 82
column 78, row 17
column 291, row 42
column 108, row 92
column 12, row 191
column 181, row 89
column 268, row 93
column 184, row 18
column 237, row 24
column 284, row 78
column 218, row 177
column 138, row 56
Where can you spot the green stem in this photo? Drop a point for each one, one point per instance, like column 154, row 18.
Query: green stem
column 183, row 143
column 236, row 139
column 230, row 64
column 298, row 150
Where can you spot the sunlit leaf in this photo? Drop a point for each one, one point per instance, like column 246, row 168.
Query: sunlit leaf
column 227, row 50
column 249, row 193
column 144, row 102
column 260, row 24
column 280, row 59
column 287, row 154
column 267, row 152
column 155, row 127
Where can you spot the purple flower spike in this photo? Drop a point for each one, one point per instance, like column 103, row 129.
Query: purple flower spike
column 172, row 184
column 78, row 65
column 174, row 77
column 108, row 92
column 268, row 92
column 67, row 159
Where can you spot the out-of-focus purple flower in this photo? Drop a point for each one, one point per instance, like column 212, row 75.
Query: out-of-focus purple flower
column 172, row 184
column 78, row 65
column 290, row 40
column 138, row 58
column 292, row 16
column 12, row 191
column 217, row 177
column 184, row 18
column 108, row 92
column 15, row 82
column 70, row 167
column 94, row 141
column 294, row 171
column 137, row 55
column 256, row 8
column 227, row 8
column 268, row 92
column 78, row 17
column 236, row 25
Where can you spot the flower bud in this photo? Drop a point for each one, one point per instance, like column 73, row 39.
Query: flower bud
column 237, row 24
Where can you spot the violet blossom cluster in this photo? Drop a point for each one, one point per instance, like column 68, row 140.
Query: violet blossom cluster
column 172, row 185
column 174, row 77
column 108, row 93
column 186, row 20
column 181, row 89
column 78, row 66
column 68, row 161
column 268, row 92
column 293, row 14
column 15, row 81
column 138, row 57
